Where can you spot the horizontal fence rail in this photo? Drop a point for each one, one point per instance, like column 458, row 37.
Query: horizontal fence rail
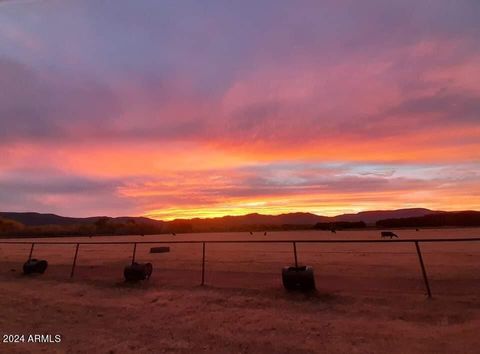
column 241, row 241
column 416, row 242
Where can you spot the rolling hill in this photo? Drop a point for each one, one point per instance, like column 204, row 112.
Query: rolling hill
column 369, row 217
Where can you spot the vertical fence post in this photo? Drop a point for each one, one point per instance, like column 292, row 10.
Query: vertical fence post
column 424, row 272
column 31, row 251
column 295, row 253
column 74, row 260
column 134, row 252
column 203, row 263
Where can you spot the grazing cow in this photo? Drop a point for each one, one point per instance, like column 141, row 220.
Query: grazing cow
column 333, row 231
column 389, row 234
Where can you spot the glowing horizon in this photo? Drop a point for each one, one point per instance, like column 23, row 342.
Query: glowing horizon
column 210, row 109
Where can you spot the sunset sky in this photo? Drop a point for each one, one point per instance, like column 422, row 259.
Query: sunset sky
column 205, row 108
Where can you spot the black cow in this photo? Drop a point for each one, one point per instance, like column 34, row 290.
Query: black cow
column 389, row 234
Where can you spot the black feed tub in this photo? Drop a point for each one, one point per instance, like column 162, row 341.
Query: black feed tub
column 298, row 278
column 138, row 271
column 35, row 266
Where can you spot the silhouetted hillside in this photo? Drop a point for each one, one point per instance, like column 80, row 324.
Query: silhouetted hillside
column 36, row 224
column 441, row 219
column 371, row 217
column 250, row 222
column 287, row 221
column 44, row 225
column 37, row 219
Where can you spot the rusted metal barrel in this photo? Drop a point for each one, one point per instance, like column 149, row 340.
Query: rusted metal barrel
column 138, row 271
column 35, row 266
column 298, row 278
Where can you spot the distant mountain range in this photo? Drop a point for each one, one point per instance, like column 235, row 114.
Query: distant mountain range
column 39, row 219
column 369, row 217
column 37, row 224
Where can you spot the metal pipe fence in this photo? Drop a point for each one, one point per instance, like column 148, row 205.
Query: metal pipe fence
column 294, row 243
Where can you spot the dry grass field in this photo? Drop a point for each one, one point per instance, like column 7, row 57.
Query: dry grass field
column 370, row 298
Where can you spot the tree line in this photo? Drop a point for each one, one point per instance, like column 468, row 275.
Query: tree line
column 444, row 219
column 102, row 226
